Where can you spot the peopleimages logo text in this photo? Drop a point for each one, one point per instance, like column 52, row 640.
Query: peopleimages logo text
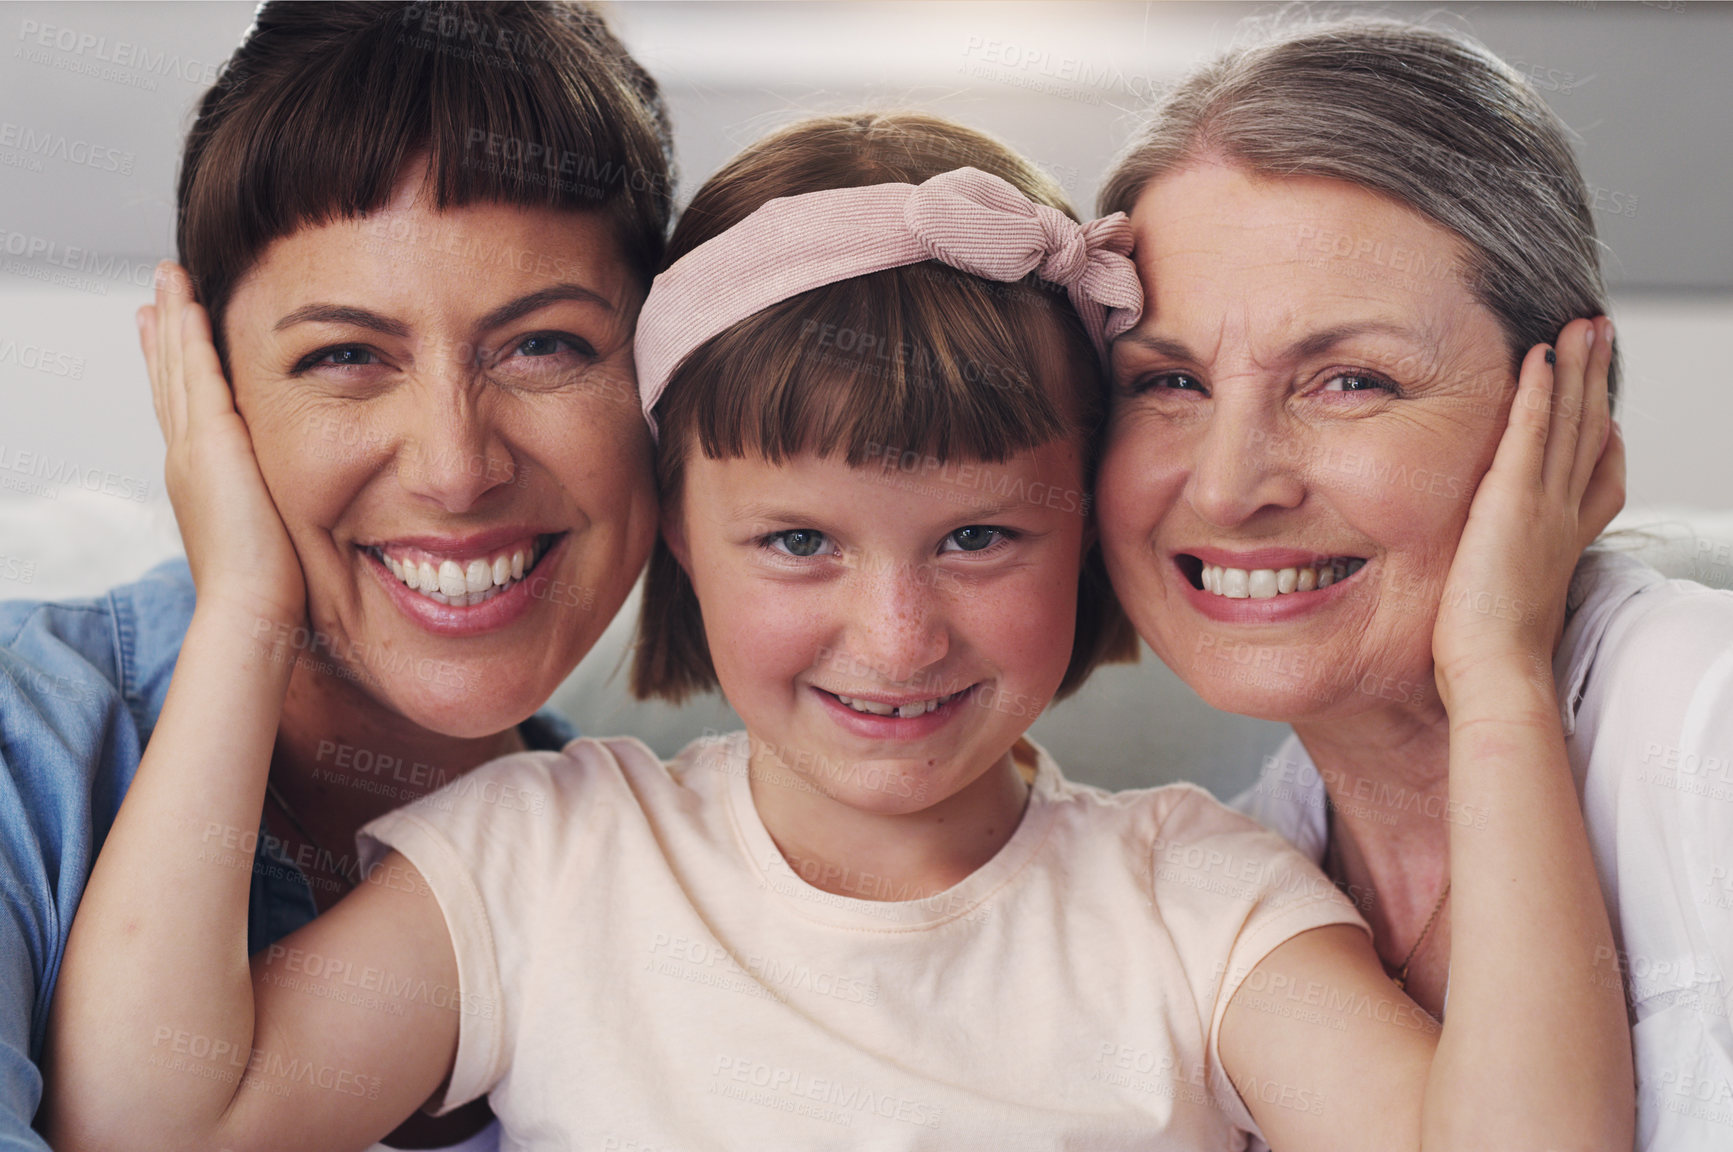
column 59, row 146
column 69, row 473
column 138, row 273
column 119, row 53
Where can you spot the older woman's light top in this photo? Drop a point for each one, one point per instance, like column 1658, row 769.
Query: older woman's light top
column 1645, row 675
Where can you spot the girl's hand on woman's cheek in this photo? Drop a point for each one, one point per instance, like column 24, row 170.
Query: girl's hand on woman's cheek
column 236, row 544
column 1556, row 481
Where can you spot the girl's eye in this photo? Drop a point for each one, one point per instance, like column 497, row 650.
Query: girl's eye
column 1357, row 382
column 974, row 538
column 346, row 356
column 801, row 542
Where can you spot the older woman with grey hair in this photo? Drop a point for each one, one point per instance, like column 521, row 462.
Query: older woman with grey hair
column 1349, row 235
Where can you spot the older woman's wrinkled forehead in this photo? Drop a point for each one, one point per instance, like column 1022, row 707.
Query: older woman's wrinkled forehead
column 1247, row 272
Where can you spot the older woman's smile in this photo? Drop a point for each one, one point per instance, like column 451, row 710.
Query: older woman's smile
column 1266, row 574
column 1268, row 584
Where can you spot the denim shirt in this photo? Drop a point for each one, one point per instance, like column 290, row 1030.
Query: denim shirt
column 81, row 685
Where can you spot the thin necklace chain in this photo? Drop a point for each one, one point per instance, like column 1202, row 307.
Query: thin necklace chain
column 343, row 865
column 1402, row 975
column 1334, row 856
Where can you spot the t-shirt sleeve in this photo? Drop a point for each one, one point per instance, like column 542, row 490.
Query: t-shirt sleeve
column 1230, row 892
column 484, row 843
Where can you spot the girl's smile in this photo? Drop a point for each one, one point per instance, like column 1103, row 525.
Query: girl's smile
column 893, row 716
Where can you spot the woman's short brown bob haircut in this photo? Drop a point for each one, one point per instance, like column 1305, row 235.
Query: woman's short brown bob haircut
column 915, row 363
column 315, row 116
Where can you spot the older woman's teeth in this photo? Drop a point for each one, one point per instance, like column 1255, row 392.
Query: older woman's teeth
column 903, row 711
column 466, row 584
column 1267, row 583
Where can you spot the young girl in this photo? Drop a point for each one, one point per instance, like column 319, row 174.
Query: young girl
column 879, row 918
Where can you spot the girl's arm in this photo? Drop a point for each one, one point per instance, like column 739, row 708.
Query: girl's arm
column 1535, row 1049
column 161, row 1034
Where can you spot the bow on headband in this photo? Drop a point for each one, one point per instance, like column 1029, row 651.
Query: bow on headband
column 966, row 218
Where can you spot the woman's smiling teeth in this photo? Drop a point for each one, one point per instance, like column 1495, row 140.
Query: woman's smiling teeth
column 901, row 711
column 1265, row 583
column 460, row 583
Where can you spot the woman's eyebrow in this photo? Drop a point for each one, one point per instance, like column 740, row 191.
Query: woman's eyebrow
column 343, row 314
column 353, row 316
column 524, row 305
column 1160, row 345
column 1321, row 342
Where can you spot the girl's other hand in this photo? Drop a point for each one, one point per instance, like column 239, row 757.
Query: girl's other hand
column 236, row 544
column 1557, row 480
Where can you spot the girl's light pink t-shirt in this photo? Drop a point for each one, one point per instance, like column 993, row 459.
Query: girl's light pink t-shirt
column 641, row 969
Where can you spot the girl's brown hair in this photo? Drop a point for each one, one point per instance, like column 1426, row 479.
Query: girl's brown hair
column 315, row 115
column 919, row 362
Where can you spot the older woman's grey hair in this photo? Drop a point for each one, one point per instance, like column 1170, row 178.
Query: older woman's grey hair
column 1423, row 115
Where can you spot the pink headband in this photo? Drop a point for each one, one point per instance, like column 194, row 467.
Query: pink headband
column 969, row 219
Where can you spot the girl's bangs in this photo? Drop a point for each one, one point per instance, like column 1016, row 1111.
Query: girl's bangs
column 922, row 359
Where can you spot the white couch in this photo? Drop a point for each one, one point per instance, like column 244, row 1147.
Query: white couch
column 1132, row 725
